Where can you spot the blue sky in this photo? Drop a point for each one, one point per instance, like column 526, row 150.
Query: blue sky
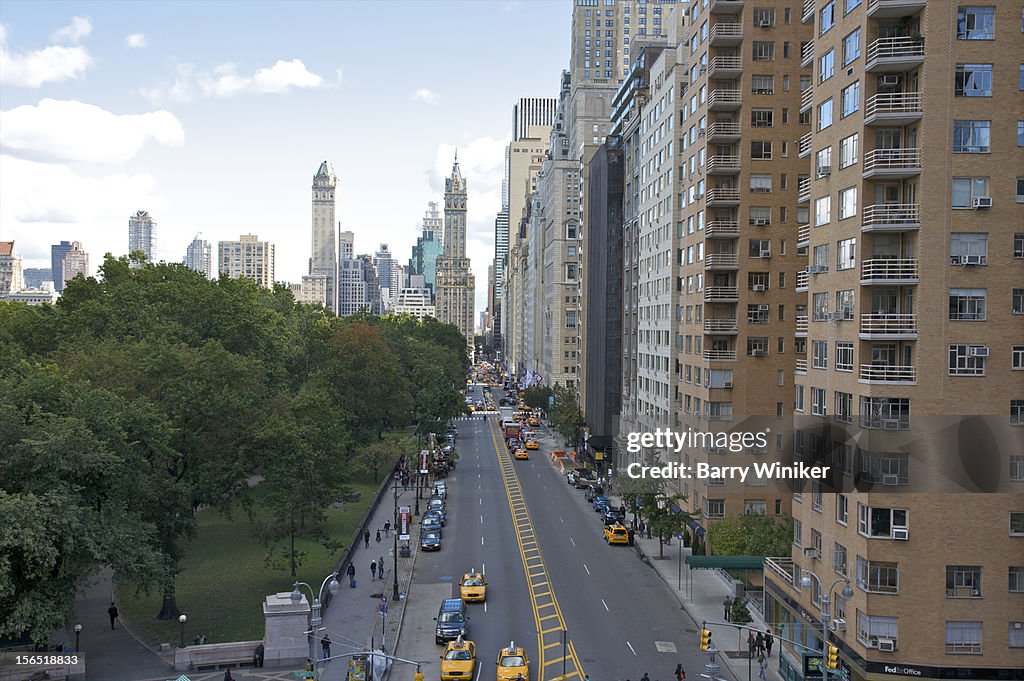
column 214, row 116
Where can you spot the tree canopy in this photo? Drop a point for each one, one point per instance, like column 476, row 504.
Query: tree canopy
column 150, row 393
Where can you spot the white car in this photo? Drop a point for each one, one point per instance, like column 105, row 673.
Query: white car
column 440, row 490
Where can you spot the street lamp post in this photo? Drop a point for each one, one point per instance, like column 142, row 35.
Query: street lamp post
column 847, row 592
column 182, row 619
column 331, row 584
column 78, row 632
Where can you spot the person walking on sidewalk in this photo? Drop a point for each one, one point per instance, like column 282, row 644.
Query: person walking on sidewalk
column 325, row 643
column 645, row 677
column 366, row 538
column 727, row 606
column 351, row 575
column 387, row 528
column 378, row 536
column 380, row 567
column 769, row 641
column 763, row 665
column 112, row 611
column 680, row 672
column 759, row 642
column 751, row 645
column 373, row 569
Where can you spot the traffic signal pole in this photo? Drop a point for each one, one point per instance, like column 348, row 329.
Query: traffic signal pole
column 829, row 663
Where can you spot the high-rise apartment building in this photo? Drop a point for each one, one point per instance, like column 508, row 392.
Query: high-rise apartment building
column 325, row 246
column 141, row 236
column 75, row 263
column 11, row 275
column 530, row 111
column 248, row 257
column 456, row 285
column 415, row 301
column 351, row 280
column 427, row 249
column 913, row 336
column 37, row 277
column 199, row 257
column 500, row 261
column 57, row 252
column 388, row 273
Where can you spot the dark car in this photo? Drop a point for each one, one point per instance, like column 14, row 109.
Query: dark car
column 600, row 500
column 612, row 516
column 430, row 541
column 602, row 506
column 431, row 524
column 514, row 444
column 434, row 516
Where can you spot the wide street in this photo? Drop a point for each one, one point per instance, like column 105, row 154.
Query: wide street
column 621, row 618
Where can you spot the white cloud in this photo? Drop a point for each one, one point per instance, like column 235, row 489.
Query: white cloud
column 50, row 64
column 74, row 131
column 181, row 90
column 73, row 32
column 424, row 95
column 225, row 81
column 136, row 40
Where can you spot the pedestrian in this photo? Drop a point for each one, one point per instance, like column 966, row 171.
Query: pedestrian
column 112, row 611
column 378, row 536
column 759, row 642
column 380, row 567
column 727, row 606
column 373, row 569
column 751, row 644
column 680, row 672
column 387, row 528
column 647, row 528
column 763, row 664
column 769, row 641
column 632, row 536
column 351, row 575
column 645, row 677
column 257, row 658
column 366, row 538
column 227, row 675
column 325, row 643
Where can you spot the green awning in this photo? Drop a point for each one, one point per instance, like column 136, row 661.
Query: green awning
column 726, row 562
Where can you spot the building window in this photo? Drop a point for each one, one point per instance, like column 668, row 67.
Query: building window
column 850, row 5
column 844, row 356
column 848, row 203
column 876, row 521
column 761, row 118
column 757, row 346
column 825, row 114
column 850, row 99
column 967, row 304
column 828, row 17
column 1018, row 245
column 761, row 183
column 963, row 638
column 1017, row 519
column 889, row 413
column 1015, row 637
column 570, row 271
column 1018, row 301
column 761, row 150
column 764, row 16
column 870, row 628
column 819, row 305
column 842, row 515
column 822, row 211
column 966, row 189
column 798, row 531
column 963, row 360
column 974, row 80
column 971, row 137
column 839, row 564
column 714, row 508
column 827, row 65
column 877, row 576
column 755, row 507
column 976, row 23
column 843, row 406
column 1017, row 578
column 824, row 161
column 798, row 402
column 819, row 354
column 968, row 248
column 851, row 47
column 963, row 581
column 1017, row 412
column 848, row 151
column 818, row 401
column 762, row 85
column 764, row 51
column 1017, row 357
column 757, row 314
column 570, row 319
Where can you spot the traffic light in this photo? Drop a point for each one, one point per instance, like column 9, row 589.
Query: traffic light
column 833, row 657
column 705, row 639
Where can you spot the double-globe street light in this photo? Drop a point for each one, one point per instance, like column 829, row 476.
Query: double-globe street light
column 331, row 584
column 826, row 597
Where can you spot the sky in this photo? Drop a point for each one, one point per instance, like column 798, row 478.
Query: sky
column 214, row 117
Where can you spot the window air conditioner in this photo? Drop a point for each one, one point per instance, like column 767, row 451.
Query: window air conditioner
column 765, row 254
column 703, row 69
column 888, row 81
column 765, row 23
column 814, row 269
column 727, row 384
column 890, row 479
column 761, row 223
column 839, row 624
column 700, row 133
column 759, row 353
column 758, row 287
column 762, row 308
column 886, row 645
column 977, row 351
column 824, row 171
column 900, row 533
column 972, row 260
column 982, row 202
column 891, row 424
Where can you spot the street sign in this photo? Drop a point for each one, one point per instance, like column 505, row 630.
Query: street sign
column 403, row 523
column 551, row 400
column 679, row 535
column 424, row 462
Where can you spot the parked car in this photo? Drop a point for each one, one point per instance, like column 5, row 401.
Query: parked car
column 430, row 541
column 612, row 516
column 452, row 620
column 600, row 500
column 435, row 515
column 430, row 524
column 440, row 489
column 616, row 534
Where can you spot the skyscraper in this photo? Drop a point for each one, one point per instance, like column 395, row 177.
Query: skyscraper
column 500, row 259
column 199, row 257
column 324, row 259
column 427, row 249
column 36, row 277
column 76, row 263
column 141, row 236
column 248, row 257
column 388, row 272
column 351, row 284
column 532, row 111
column 57, row 252
column 455, row 281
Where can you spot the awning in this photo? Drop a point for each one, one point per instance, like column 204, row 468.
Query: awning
column 726, row 562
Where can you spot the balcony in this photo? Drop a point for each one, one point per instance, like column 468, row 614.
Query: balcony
column 894, row 9
column 801, row 282
column 723, row 196
column 893, row 108
column 889, row 271
column 801, row 325
column 884, row 422
column 806, row 99
column 722, row 229
column 803, row 236
column 891, row 217
column 807, row 16
column 807, row 54
column 725, row 67
column 892, row 164
column 726, row 6
column 801, row 366
column 887, row 373
column 723, row 165
column 719, row 355
column 803, row 190
column 886, row 326
column 721, row 294
column 783, row 569
column 721, row 261
column 724, row 131
column 725, row 100
column 726, row 35
column 717, row 327
column 893, row 55
column 805, row 146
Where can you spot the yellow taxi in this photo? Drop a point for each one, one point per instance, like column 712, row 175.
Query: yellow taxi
column 490, row 407
column 512, row 662
column 458, row 661
column 471, row 408
column 522, row 454
column 473, row 586
column 532, row 444
column 534, row 421
column 616, row 534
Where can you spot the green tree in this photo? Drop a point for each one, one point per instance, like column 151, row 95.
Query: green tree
column 751, row 535
column 537, row 396
column 657, row 510
column 377, row 456
column 566, row 416
column 739, row 613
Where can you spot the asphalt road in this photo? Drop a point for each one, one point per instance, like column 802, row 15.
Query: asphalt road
column 622, row 620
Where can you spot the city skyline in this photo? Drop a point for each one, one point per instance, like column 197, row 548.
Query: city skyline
column 144, row 123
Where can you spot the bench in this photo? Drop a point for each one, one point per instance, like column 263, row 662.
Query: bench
column 212, row 656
